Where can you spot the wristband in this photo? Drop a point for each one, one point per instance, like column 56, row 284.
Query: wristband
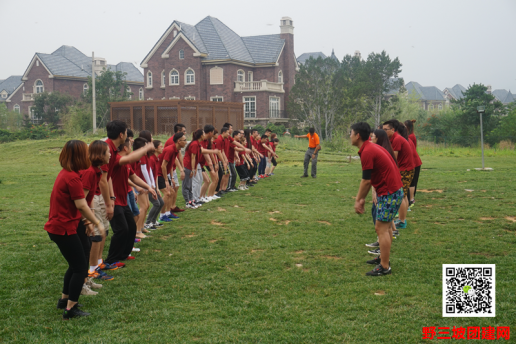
column 112, row 198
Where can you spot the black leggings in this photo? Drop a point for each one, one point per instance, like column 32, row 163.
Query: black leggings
column 415, row 179
column 124, row 233
column 72, row 250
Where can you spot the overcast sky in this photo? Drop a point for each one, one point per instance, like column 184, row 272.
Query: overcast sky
column 440, row 43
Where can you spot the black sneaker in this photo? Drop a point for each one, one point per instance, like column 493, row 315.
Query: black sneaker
column 314, row 176
column 219, row 194
column 304, row 176
column 374, row 244
column 62, row 303
column 395, row 232
column 379, row 271
column 376, row 252
column 199, row 202
column 375, row 261
column 250, row 184
column 74, row 313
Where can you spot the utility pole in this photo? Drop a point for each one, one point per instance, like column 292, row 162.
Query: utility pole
column 93, row 92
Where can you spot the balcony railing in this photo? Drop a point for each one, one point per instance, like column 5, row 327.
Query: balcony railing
column 277, row 114
column 28, row 97
column 258, row 86
column 270, row 114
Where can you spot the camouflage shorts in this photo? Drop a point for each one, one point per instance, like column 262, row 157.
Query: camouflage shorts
column 406, row 179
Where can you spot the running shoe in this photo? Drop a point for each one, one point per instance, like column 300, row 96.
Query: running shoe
column 374, row 244
column 215, row 197
column 250, row 184
column 232, row 190
column 271, row 174
column 397, row 214
column 375, row 261
column 397, row 221
column 218, row 194
column 136, row 249
column 409, row 209
column 101, row 275
column 106, row 266
column 198, row 202
column 149, row 226
column 379, row 271
column 119, row 264
column 375, row 252
column 130, row 258
column 242, row 188
column 62, row 303
column 165, row 218
column 304, row 176
column 74, row 312
column 402, row 224
column 92, row 284
column 87, row 291
column 177, row 210
column 173, row 216
column 412, row 203
column 157, row 224
column 395, row 232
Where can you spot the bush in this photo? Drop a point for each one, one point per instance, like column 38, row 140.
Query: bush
column 260, row 129
column 78, row 120
column 35, row 132
column 10, row 120
column 340, row 142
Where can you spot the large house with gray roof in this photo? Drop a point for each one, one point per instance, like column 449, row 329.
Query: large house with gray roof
column 429, row 97
column 8, row 87
column 209, row 61
column 65, row 70
column 504, row 96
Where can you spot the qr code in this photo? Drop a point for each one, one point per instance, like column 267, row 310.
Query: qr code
column 469, row 290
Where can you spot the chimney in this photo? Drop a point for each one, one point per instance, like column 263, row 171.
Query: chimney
column 489, row 89
column 357, row 54
column 288, row 64
column 287, row 25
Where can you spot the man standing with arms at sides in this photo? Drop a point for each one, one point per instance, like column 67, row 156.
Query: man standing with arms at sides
column 231, row 142
column 312, row 153
column 173, row 175
column 380, row 171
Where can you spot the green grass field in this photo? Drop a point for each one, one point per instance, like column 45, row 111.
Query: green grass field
column 281, row 263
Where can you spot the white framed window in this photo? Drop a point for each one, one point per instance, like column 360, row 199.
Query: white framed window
column 189, row 77
column 129, row 93
column 149, row 79
column 240, row 76
column 16, row 108
column 4, row 94
column 175, row 33
column 274, row 107
column 440, row 106
column 163, row 78
column 174, row 77
column 249, row 76
column 37, row 63
column 39, row 86
column 190, row 98
column 181, row 54
column 280, row 77
column 140, row 93
column 85, row 89
column 431, row 106
column 217, row 99
column 216, row 76
column 250, row 107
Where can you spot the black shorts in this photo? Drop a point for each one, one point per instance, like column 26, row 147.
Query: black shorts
column 242, row 172
column 206, row 168
column 221, row 168
column 161, row 183
column 273, row 161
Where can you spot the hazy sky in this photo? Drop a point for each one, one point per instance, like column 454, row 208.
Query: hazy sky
column 440, row 43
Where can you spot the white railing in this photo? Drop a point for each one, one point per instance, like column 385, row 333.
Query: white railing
column 257, row 86
column 28, row 97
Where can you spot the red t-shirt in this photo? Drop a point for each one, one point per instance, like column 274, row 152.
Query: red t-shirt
column 231, row 149
column 202, row 160
column 112, row 160
column 155, row 164
column 121, row 175
column 257, row 143
column 63, row 216
column 220, row 144
column 385, row 176
column 105, row 169
column 169, row 155
column 137, row 168
column 193, row 148
column 169, row 142
column 412, row 138
column 227, row 146
column 263, row 151
column 90, row 181
column 415, row 156
column 405, row 159
column 273, row 146
column 241, row 156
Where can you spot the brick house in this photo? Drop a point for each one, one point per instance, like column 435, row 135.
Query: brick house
column 65, row 70
column 209, row 61
column 8, row 87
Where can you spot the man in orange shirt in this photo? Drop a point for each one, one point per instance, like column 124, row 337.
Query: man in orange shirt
column 312, row 153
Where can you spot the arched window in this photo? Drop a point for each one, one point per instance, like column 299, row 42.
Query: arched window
column 174, row 77
column 240, row 76
column 16, row 108
column 190, row 77
column 280, row 77
column 149, row 79
column 431, row 106
column 440, row 106
column 163, row 79
column 140, row 93
column 181, row 54
column 39, row 86
column 85, row 89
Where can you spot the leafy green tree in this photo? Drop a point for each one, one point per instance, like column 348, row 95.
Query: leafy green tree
column 506, row 129
column 10, row 120
column 110, row 86
column 50, row 106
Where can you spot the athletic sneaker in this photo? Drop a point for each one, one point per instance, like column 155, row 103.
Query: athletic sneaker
column 94, row 285
column 177, row 210
column 215, row 197
column 402, row 224
column 409, row 209
column 62, row 303
column 198, row 201
column 106, row 266
column 101, row 275
column 218, row 194
column 136, row 249
column 397, row 215
column 74, row 312
column 397, row 221
column 374, row 244
column 395, row 232
column 164, row 218
column 375, row 252
column 87, row 291
column 304, row 176
column 379, row 271
column 129, row 257
column 412, row 203
column 149, row 226
column 137, row 240
column 231, row 190
column 189, row 205
column 375, row 261
column 271, row 174
column 242, row 188
column 173, row 216
column 119, row 264
column 157, row 224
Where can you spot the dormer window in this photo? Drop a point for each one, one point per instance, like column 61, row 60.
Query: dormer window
column 175, row 33
column 85, row 89
column 181, row 54
column 280, row 77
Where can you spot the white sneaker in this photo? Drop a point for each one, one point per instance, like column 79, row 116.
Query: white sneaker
column 215, row 197
column 190, row 205
column 136, row 249
column 91, row 284
column 205, row 199
column 87, row 291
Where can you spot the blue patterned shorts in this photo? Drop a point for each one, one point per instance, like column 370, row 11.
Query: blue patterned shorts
column 388, row 205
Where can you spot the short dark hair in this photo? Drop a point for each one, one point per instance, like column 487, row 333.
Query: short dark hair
column 268, row 130
column 363, row 129
column 130, row 133
column 139, row 143
column 177, row 136
column 74, row 156
column 208, row 128
column 264, row 136
column 127, row 144
column 179, row 127
column 392, row 123
column 156, row 143
column 236, row 132
column 410, row 126
column 275, row 140
column 253, row 131
column 96, row 151
column 227, row 125
column 115, row 128
column 146, row 135
column 311, row 131
column 224, row 129
column 402, row 131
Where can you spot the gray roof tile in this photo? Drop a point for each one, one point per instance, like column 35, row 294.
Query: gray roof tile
column 264, row 48
column 303, row 57
column 425, row 92
column 456, row 91
column 504, row 96
column 10, row 85
column 133, row 73
column 60, row 65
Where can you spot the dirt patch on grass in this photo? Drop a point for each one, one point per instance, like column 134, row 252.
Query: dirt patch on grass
column 469, row 190
column 299, row 265
column 285, row 222
column 325, row 223
column 273, row 219
column 165, row 237
column 221, row 209
column 257, row 250
column 486, row 254
column 487, row 218
column 332, row 257
column 156, row 250
column 299, row 252
column 510, row 218
column 189, row 236
column 299, row 258
column 213, row 240
column 275, row 212
column 379, row 292
column 213, row 222
column 237, row 206
column 431, row 190
column 302, row 205
column 416, row 231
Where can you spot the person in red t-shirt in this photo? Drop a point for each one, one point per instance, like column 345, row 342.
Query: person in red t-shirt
column 122, row 223
column 243, row 166
column 168, row 185
column 220, row 144
column 178, row 128
column 412, row 137
column 406, row 165
column 190, row 164
column 67, row 204
column 155, row 166
column 380, row 171
column 206, row 157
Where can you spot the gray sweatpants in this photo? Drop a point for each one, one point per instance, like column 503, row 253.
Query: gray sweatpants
column 308, row 156
column 157, row 204
column 187, row 186
column 197, row 183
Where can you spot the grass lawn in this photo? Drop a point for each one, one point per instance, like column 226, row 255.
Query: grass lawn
column 282, row 263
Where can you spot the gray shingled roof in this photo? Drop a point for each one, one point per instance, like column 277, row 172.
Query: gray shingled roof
column 456, row 91
column 425, row 92
column 303, row 57
column 10, row 85
column 60, row 65
column 504, row 96
column 264, row 48
column 133, row 73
